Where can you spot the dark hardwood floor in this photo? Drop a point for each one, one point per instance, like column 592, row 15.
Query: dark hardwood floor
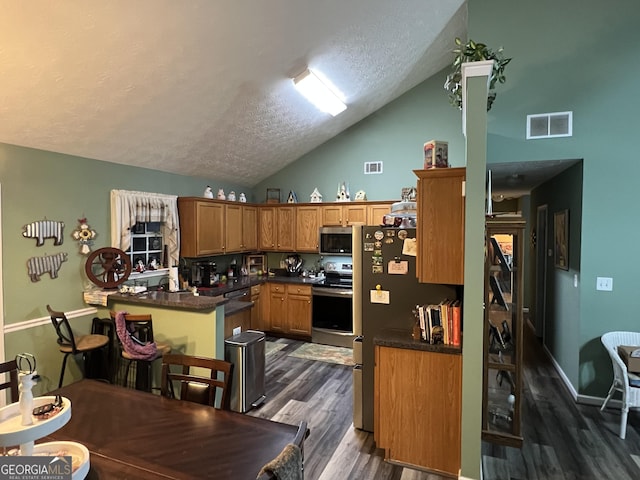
column 562, row 440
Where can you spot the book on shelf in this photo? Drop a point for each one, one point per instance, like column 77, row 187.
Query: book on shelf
column 441, row 323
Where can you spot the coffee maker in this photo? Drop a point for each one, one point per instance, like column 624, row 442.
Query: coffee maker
column 203, row 274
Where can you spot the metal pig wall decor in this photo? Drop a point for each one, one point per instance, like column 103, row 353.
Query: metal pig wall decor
column 42, row 229
column 37, row 266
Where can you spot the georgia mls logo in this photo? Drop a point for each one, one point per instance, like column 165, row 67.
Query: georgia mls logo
column 35, row 468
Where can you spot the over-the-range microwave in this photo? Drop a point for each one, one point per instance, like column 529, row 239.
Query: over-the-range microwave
column 336, row 241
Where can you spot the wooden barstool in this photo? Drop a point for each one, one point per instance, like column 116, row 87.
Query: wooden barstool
column 69, row 344
column 140, row 330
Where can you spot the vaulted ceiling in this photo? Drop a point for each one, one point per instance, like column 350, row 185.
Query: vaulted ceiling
column 204, row 87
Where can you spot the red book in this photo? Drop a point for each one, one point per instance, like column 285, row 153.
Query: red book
column 457, row 321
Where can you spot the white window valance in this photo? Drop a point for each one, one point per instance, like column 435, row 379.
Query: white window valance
column 129, row 207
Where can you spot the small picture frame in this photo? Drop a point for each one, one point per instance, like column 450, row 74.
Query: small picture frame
column 561, row 239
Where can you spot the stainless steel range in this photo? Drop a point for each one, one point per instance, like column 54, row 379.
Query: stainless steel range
column 332, row 318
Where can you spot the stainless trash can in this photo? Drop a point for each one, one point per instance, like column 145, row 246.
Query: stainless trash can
column 247, row 353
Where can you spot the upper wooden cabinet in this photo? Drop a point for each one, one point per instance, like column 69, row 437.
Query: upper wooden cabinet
column 344, row 214
column 201, row 227
column 376, row 211
column 440, row 230
column 277, row 228
column 308, row 218
column 241, row 228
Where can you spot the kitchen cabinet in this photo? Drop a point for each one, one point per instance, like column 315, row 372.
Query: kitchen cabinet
column 418, row 410
column 277, row 228
column 376, row 211
column 440, row 226
column 259, row 297
column 308, row 220
column 241, row 232
column 202, row 227
column 241, row 319
column 344, row 214
column 503, row 330
column 290, row 309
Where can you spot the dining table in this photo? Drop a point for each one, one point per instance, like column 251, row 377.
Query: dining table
column 132, row 434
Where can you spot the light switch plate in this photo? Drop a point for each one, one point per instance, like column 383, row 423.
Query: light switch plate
column 604, row 283
column 237, row 330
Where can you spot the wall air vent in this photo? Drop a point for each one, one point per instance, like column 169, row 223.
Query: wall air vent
column 372, row 168
column 550, row 125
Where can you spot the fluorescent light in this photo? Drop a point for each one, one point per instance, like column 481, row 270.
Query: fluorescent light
column 309, row 85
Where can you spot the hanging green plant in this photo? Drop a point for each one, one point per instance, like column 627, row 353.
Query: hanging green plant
column 474, row 52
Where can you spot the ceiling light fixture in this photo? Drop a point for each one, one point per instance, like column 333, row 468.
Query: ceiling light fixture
column 318, row 93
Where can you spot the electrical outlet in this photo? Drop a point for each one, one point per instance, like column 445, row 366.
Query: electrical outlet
column 604, row 283
column 237, row 330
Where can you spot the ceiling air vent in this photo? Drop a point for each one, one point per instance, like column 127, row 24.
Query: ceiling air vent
column 372, row 168
column 550, row 125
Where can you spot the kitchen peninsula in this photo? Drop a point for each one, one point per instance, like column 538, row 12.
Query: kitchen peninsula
column 195, row 325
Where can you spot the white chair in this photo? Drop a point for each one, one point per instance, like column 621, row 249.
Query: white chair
column 630, row 395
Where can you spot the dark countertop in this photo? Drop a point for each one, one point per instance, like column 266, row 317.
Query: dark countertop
column 294, row 280
column 399, row 338
column 183, row 300
column 208, row 298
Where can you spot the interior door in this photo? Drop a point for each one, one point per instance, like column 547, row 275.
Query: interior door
column 541, row 270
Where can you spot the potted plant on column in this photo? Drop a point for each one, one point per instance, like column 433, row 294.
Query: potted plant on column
column 474, row 52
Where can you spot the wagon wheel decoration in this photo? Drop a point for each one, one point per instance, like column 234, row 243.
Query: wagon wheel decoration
column 108, row 267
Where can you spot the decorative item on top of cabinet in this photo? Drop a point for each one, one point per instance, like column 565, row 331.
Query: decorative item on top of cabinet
column 361, row 196
column 440, row 225
column 503, row 330
column 221, row 195
column 273, row 195
column 232, row 196
column 208, row 193
column 316, row 197
column 343, row 193
column 243, row 198
column 292, row 197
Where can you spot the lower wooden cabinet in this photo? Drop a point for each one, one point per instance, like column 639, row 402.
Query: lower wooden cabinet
column 259, row 297
column 290, row 309
column 241, row 319
column 417, row 408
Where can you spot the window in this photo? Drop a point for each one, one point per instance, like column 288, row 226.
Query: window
column 149, row 218
column 146, row 245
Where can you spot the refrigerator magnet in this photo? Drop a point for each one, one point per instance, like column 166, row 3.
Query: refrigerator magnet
column 379, row 235
column 402, row 234
column 388, row 241
column 398, row 268
column 368, row 246
column 377, row 269
column 410, row 247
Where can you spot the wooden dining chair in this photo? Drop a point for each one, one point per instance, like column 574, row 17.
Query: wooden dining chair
column 70, row 344
column 139, row 329
column 194, row 386
column 11, row 368
column 290, row 461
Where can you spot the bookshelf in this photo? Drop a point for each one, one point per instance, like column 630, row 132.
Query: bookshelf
column 503, row 330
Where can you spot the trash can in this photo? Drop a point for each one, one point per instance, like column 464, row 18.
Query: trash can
column 247, row 353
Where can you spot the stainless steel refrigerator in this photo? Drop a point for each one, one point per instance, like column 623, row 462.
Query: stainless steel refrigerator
column 384, row 258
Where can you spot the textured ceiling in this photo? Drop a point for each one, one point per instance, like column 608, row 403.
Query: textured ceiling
column 203, row 87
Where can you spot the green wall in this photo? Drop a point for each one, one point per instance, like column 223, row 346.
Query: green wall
column 578, row 56
column 36, row 185
column 395, row 134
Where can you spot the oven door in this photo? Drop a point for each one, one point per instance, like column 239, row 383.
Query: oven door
column 332, row 316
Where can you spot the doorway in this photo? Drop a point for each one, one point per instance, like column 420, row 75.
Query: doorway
column 541, row 270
